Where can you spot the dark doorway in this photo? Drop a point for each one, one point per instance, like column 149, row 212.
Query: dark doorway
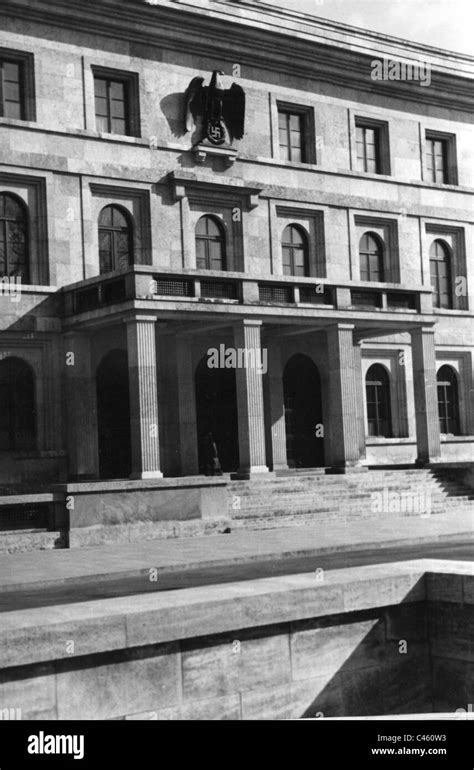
column 113, row 416
column 303, row 413
column 216, row 412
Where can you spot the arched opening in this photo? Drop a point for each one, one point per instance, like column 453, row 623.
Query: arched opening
column 448, row 401
column 13, row 238
column 303, row 413
column 17, row 405
column 379, row 412
column 210, row 244
column 113, row 416
column 216, row 413
column 440, row 273
column 371, row 256
column 295, row 252
column 115, row 239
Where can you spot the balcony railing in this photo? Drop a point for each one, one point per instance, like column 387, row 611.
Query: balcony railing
column 142, row 283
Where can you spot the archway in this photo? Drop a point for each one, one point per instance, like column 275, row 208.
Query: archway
column 303, row 413
column 17, row 405
column 216, row 412
column 113, row 416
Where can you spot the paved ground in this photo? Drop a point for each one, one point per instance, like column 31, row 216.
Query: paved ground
column 43, row 569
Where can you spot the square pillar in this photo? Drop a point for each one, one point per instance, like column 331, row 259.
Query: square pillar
column 343, row 423
column 141, row 345
column 81, row 408
column 186, row 407
column 360, row 399
column 276, row 433
column 247, row 341
column 426, row 395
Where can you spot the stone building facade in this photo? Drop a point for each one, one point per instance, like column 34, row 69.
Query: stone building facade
column 333, row 243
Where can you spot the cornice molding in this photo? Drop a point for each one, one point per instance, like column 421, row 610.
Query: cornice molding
column 226, row 37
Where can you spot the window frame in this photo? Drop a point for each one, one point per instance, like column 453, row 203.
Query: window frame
column 222, row 239
column 445, row 420
column 382, row 145
column 23, row 206
column 130, row 81
column 131, row 236
column 385, row 389
column 25, row 61
column 449, row 154
column 449, row 260
column 292, row 247
column 380, row 255
column 305, row 115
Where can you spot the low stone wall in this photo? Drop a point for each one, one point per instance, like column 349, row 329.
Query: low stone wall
column 384, row 639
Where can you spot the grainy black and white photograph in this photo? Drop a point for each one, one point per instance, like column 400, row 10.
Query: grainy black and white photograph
column 236, row 371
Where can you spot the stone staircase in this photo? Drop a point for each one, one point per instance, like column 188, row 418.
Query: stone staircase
column 313, row 496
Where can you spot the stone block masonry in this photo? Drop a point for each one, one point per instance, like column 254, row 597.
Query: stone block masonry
column 369, row 641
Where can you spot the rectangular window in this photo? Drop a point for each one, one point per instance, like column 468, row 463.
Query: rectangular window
column 292, row 138
column 116, row 102
column 437, row 160
column 296, row 133
column 16, row 85
column 368, row 149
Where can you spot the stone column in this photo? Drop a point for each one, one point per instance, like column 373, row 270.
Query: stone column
column 81, row 408
column 250, row 399
column 426, row 395
column 276, row 408
column 343, row 424
column 186, row 407
column 141, row 345
column 360, row 399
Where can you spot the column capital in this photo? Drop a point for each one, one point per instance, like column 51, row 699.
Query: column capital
column 140, row 319
column 340, row 327
column 248, row 322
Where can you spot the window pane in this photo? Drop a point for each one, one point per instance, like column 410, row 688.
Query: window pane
column 201, row 260
column 118, row 126
column 100, row 87
column 215, row 253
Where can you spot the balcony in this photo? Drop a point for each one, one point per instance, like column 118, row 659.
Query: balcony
column 193, row 287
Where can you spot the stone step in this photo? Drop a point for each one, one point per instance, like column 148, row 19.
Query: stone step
column 21, row 540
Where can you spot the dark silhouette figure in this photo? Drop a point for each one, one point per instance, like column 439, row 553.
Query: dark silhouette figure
column 212, row 465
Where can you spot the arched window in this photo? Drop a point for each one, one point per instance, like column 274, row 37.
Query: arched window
column 210, row 244
column 17, row 405
column 13, row 238
column 448, row 401
column 115, row 239
column 440, row 271
column 294, row 244
column 379, row 414
column 371, row 258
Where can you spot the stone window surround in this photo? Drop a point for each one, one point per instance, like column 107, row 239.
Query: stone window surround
column 455, row 237
column 387, row 229
column 281, row 215
column 390, row 360
column 428, row 132
column 307, row 111
column 90, row 69
column 136, row 201
column 371, row 120
column 461, row 362
column 27, row 60
column 32, row 191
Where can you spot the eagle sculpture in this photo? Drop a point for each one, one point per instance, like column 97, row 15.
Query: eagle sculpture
column 222, row 110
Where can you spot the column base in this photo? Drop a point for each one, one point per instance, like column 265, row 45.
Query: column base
column 349, row 468
column 146, row 475
column 424, row 462
column 253, row 472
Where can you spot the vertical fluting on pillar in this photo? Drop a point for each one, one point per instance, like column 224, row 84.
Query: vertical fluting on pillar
column 426, row 394
column 141, row 345
column 247, row 338
column 275, row 399
column 343, row 395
